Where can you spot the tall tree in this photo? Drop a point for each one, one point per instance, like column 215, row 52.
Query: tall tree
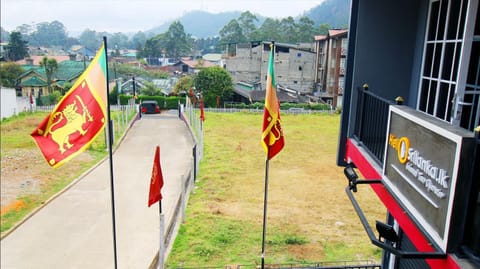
column 118, row 41
column 323, row 29
column 153, row 47
column 176, row 41
column 306, row 30
column 270, row 30
column 9, row 72
column 16, row 48
column 90, row 39
column 138, row 40
column 184, row 84
column 50, row 66
column 289, row 30
column 49, row 34
column 232, row 33
column 247, row 23
column 215, row 84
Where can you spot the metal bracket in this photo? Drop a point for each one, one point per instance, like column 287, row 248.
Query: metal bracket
column 353, row 182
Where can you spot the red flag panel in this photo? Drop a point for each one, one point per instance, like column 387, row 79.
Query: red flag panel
column 156, row 181
column 71, row 127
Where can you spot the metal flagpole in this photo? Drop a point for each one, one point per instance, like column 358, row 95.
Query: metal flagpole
column 265, row 198
column 265, row 212
column 110, row 140
column 161, row 249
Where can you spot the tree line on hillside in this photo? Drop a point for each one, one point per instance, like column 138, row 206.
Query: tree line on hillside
column 288, row 30
column 175, row 42
column 214, row 84
column 54, row 34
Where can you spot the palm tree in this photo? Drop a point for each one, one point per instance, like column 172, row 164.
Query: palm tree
column 50, row 66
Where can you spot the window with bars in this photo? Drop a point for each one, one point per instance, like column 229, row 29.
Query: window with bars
column 450, row 81
column 449, row 86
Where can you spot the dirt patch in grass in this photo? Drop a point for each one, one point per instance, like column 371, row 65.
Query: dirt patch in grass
column 27, row 181
column 25, row 172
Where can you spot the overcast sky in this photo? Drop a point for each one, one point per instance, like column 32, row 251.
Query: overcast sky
column 133, row 15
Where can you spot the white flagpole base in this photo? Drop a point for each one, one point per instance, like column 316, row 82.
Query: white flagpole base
column 161, row 249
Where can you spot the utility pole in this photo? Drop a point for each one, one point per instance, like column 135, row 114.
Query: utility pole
column 133, row 85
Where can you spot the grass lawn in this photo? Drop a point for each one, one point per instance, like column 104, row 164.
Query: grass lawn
column 310, row 218
column 27, row 181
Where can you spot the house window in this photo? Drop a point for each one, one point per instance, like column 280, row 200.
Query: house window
column 344, row 43
column 451, row 51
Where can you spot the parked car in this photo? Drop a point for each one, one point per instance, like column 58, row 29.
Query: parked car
column 149, row 107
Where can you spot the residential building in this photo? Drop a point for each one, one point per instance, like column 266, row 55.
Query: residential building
column 410, row 124
column 190, row 66
column 34, row 79
column 294, row 66
column 215, row 58
column 331, row 50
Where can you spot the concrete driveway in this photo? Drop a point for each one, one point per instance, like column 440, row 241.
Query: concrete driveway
column 75, row 229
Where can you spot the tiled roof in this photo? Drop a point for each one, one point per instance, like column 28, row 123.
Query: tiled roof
column 36, row 59
column 337, row 32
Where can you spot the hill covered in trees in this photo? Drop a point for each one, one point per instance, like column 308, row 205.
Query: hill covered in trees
column 335, row 13
column 201, row 24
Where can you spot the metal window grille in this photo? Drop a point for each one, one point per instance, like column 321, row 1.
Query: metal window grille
column 449, row 88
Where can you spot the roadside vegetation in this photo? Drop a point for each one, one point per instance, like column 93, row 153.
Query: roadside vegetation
column 310, row 218
column 27, row 181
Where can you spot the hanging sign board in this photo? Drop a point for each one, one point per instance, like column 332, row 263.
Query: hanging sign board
column 427, row 169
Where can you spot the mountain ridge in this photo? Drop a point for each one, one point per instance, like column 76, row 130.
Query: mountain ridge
column 203, row 24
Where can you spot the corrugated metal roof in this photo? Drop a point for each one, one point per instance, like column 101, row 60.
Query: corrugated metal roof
column 67, row 70
column 33, row 82
column 212, row 57
column 196, row 64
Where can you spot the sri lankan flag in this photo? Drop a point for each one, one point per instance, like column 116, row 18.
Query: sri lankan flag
column 78, row 117
column 272, row 134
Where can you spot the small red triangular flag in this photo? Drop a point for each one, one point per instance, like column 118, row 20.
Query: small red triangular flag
column 202, row 113
column 156, row 182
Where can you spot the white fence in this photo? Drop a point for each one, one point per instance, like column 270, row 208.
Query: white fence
column 11, row 105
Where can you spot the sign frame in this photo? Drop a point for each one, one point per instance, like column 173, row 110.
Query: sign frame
column 404, row 177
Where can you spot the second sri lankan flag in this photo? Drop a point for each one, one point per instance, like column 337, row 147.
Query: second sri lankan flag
column 272, row 134
column 78, row 117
